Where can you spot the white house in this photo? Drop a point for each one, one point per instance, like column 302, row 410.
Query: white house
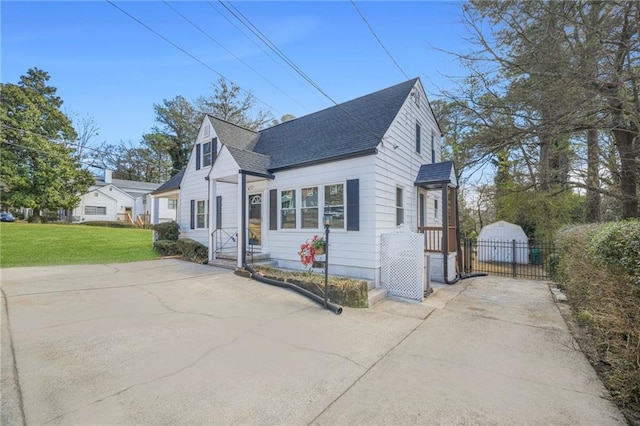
column 164, row 200
column 116, row 200
column 372, row 163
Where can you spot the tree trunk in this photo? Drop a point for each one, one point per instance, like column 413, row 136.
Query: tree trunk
column 628, row 172
column 35, row 218
column 593, row 177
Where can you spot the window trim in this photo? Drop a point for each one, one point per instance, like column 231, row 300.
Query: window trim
column 281, row 209
column 204, row 214
column 206, row 155
column 399, row 205
column 299, row 208
column 96, row 210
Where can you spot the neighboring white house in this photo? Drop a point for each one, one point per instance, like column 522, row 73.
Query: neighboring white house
column 116, row 200
column 164, row 200
column 372, row 163
column 503, row 242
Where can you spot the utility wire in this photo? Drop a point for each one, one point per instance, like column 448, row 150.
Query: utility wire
column 256, row 31
column 231, row 53
column 255, row 43
column 378, row 39
column 195, row 58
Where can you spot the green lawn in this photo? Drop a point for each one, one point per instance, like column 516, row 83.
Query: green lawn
column 28, row 244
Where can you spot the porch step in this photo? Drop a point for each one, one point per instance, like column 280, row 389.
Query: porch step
column 377, row 295
column 233, row 256
column 223, row 263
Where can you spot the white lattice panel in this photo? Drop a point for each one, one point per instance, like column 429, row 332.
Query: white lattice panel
column 402, row 262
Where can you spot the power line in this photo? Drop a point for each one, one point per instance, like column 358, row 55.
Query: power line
column 195, row 58
column 256, row 31
column 378, row 39
column 231, row 53
column 255, row 43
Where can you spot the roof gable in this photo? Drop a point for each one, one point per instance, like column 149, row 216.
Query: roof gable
column 234, row 135
column 353, row 127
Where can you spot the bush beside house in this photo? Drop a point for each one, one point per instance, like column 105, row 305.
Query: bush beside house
column 599, row 270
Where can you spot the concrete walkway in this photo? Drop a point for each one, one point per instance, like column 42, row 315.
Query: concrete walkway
column 169, row 342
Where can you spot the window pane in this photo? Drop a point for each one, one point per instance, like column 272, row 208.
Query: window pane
column 334, row 195
column 310, row 197
column 288, row 208
column 334, row 204
column 206, row 154
column 398, row 197
column 310, row 218
column 200, row 207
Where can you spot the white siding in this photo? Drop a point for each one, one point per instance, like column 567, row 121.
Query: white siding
column 107, row 196
column 352, row 253
column 195, row 187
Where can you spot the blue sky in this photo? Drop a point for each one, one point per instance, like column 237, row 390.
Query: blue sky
column 110, row 67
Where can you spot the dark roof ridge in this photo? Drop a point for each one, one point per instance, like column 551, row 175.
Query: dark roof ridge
column 233, row 124
column 341, row 104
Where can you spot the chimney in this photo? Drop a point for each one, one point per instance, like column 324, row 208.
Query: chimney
column 107, row 175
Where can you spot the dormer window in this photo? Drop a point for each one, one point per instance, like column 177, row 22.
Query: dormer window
column 206, row 154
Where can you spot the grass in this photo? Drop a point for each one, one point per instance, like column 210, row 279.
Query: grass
column 27, row 244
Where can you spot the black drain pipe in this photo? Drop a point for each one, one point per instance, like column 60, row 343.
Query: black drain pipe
column 445, row 234
column 319, row 300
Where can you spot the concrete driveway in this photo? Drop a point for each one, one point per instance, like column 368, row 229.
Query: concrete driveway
column 170, row 342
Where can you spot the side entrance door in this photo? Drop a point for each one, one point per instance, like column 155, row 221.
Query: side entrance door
column 255, row 219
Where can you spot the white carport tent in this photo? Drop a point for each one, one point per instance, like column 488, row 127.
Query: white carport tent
column 503, row 242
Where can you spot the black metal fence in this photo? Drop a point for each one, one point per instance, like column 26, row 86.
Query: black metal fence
column 517, row 259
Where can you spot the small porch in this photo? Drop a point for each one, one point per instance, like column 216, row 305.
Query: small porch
column 441, row 242
column 237, row 187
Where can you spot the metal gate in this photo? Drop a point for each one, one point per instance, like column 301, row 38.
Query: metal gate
column 402, row 264
column 517, row 259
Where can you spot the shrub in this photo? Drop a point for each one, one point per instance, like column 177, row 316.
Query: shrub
column 617, row 245
column 193, row 250
column 108, row 224
column 19, row 215
column 166, row 247
column 167, row 231
column 597, row 270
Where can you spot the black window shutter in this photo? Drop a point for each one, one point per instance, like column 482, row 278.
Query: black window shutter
column 197, row 156
column 214, row 149
column 219, row 212
column 353, row 205
column 418, row 142
column 193, row 211
column 273, row 209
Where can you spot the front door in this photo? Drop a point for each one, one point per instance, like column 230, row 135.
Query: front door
column 255, row 219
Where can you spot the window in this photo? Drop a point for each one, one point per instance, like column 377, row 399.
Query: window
column 309, row 208
column 435, row 208
column 334, row 204
column 206, row 154
column 421, row 208
column 95, row 210
column 201, row 214
column 288, row 209
column 172, row 204
column 399, row 207
column 433, row 148
column 418, row 143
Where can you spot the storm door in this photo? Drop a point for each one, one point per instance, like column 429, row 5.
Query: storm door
column 255, row 219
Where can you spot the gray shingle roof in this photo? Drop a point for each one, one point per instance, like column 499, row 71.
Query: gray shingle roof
column 171, row 184
column 250, row 161
column 436, row 173
column 353, row 127
column 233, row 135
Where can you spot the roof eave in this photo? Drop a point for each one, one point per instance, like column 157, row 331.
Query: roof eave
column 364, row 153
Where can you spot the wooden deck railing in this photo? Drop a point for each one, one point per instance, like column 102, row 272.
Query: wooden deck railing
column 433, row 238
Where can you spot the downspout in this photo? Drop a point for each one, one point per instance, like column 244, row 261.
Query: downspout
column 243, row 243
column 319, row 300
column 445, row 237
